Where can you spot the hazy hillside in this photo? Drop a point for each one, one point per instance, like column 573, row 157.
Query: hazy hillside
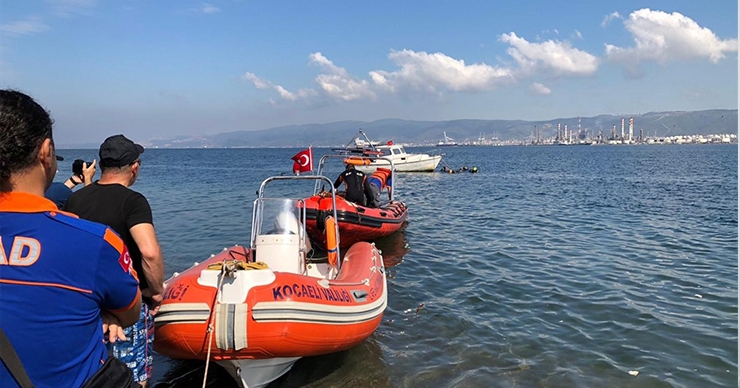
column 715, row 121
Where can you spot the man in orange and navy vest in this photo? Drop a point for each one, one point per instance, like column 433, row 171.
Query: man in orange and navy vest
column 379, row 181
column 60, row 276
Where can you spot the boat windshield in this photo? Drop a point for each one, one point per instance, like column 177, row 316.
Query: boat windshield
column 278, row 216
column 384, row 151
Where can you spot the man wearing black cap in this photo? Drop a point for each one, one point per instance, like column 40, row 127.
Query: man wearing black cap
column 111, row 202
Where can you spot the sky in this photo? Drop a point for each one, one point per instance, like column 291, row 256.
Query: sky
column 161, row 69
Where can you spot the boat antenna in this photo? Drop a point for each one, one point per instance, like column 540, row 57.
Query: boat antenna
column 368, row 140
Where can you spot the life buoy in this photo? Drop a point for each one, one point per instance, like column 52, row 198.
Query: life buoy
column 332, row 251
column 357, row 161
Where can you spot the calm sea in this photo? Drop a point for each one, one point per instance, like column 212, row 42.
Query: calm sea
column 552, row 267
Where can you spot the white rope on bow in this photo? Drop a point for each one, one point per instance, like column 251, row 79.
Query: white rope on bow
column 226, row 270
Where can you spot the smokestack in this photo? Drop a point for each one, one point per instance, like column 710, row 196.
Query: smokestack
column 560, row 134
column 632, row 126
column 622, row 128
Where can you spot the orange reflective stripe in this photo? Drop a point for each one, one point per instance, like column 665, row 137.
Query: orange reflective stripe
column 44, row 284
column 130, row 305
column 20, row 202
column 113, row 239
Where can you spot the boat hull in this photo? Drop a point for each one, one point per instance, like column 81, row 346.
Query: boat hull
column 356, row 223
column 258, row 373
column 406, row 163
column 262, row 314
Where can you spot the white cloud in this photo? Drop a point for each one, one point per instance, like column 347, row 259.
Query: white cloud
column 260, row 83
column 25, row 27
column 553, row 56
column 208, row 8
column 608, row 18
column 65, row 8
column 418, row 71
column 663, row 37
column 538, row 88
column 338, row 84
column 438, row 73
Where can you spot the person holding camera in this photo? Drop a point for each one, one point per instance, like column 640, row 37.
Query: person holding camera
column 82, row 174
column 111, row 201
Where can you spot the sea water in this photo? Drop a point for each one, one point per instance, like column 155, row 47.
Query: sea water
column 579, row 266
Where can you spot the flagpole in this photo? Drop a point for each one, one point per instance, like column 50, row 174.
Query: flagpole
column 310, row 156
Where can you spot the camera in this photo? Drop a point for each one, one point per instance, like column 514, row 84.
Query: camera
column 77, row 166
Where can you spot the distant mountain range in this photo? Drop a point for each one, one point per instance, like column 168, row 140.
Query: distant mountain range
column 716, row 121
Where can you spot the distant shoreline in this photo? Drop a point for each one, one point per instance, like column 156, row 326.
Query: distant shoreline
column 671, row 140
column 503, row 144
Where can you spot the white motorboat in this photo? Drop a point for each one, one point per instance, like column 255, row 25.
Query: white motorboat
column 402, row 160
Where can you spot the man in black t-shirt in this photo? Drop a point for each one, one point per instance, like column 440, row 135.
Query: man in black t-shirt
column 357, row 188
column 109, row 201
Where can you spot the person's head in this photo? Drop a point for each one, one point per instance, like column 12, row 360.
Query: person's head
column 120, row 156
column 27, row 152
column 350, row 166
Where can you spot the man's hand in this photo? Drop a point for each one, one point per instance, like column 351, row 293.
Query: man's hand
column 88, row 172
column 112, row 327
column 156, row 302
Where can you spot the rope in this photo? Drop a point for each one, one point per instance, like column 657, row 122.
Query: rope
column 224, row 269
column 239, row 265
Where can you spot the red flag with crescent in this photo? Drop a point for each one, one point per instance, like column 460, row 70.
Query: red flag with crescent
column 303, row 161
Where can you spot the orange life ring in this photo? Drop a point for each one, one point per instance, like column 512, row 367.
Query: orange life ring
column 332, row 251
column 357, row 161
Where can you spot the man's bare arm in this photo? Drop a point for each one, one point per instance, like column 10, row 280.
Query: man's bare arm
column 151, row 258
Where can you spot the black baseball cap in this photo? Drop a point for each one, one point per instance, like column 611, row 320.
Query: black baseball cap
column 119, row 151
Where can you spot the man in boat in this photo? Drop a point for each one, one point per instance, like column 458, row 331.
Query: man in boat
column 379, row 181
column 61, row 278
column 110, row 201
column 357, row 188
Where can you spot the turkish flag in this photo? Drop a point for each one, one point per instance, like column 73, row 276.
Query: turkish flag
column 303, row 161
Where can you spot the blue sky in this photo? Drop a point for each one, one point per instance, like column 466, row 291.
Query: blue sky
column 157, row 69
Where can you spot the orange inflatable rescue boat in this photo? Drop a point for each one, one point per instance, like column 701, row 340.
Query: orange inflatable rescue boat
column 356, row 221
column 256, row 310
